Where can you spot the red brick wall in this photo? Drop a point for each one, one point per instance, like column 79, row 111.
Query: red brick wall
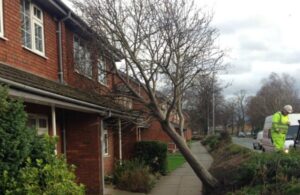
column 84, row 149
column 12, row 52
column 129, row 138
column 188, row 134
column 155, row 132
column 78, row 80
column 109, row 159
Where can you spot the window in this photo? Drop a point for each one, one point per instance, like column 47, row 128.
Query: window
column 32, row 27
column 82, row 57
column 1, row 19
column 40, row 123
column 124, row 101
column 105, row 147
column 102, row 72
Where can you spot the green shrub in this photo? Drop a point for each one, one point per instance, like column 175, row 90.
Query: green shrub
column 272, row 167
column 28, row 164
column 241, row 171
column 233, row 149
column 214, row 142
column 270, row 173
column 15, row 136
column 154, row 154
column 134, row 176
column 292, row 188
column 55, row 177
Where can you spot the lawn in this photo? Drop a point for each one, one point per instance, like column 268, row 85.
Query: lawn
column 175, row 161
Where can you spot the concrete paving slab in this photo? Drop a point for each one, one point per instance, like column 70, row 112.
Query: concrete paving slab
column 189, row 191
column 190, row 181
column 170, row 180
column 111, row 191
column 164, row 191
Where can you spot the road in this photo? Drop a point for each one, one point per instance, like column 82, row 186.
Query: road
column 243, row 141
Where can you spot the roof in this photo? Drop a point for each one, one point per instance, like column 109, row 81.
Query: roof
column 125, row 89
column 29, row 79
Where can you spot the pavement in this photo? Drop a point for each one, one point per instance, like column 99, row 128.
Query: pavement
column 182, row 181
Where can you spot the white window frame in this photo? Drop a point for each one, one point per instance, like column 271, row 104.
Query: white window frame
column 87, row 58
column 40, row 130
column 102, row 74
column 1, row 19
column 35, row 21
column 105, row 143
column 125, row 101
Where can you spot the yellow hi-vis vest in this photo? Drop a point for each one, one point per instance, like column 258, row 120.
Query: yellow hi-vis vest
column 280, row 123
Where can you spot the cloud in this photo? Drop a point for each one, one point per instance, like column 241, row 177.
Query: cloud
column 239, row 82
column 252, row 45
column 234, row 26
column 239, row 68
column 283, row 56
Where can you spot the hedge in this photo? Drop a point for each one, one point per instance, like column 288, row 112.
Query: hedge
column 154, row 154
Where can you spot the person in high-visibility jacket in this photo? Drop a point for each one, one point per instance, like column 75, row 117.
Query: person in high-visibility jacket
column 280, row 125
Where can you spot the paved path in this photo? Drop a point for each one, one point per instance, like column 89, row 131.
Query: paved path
column 182, row 181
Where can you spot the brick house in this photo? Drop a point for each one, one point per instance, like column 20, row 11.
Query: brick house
column 152, row 131
column 45, row 60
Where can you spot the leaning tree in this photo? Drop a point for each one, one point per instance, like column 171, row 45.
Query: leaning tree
column 162, row 41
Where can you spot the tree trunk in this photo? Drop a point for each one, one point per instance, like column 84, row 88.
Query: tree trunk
column 181, row 120
column 181, row 125
column 207, row 179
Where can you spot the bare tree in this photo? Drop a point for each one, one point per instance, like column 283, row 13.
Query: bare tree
column 169, row 40
column 276, row 91
column 241, row 109
column 227, row 114
column 199, row 102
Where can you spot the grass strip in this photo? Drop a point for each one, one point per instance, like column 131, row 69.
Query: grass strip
column 175, row 161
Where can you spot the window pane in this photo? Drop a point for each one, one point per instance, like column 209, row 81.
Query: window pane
column 25, row 23
column 38, row 30
column 105, row 143
column 88, row 64
column 102, row 71
column 42, row 123
column 37, row 12
column 76, row 52
column 42, row 131
column 82, row 57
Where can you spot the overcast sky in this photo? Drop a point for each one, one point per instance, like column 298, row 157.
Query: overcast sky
column 260, row 37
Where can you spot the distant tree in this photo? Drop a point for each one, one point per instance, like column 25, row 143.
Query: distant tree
column 253, row 112
column 199, row 102
column 241, row 109
column 276, row 91
column 228, row 115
